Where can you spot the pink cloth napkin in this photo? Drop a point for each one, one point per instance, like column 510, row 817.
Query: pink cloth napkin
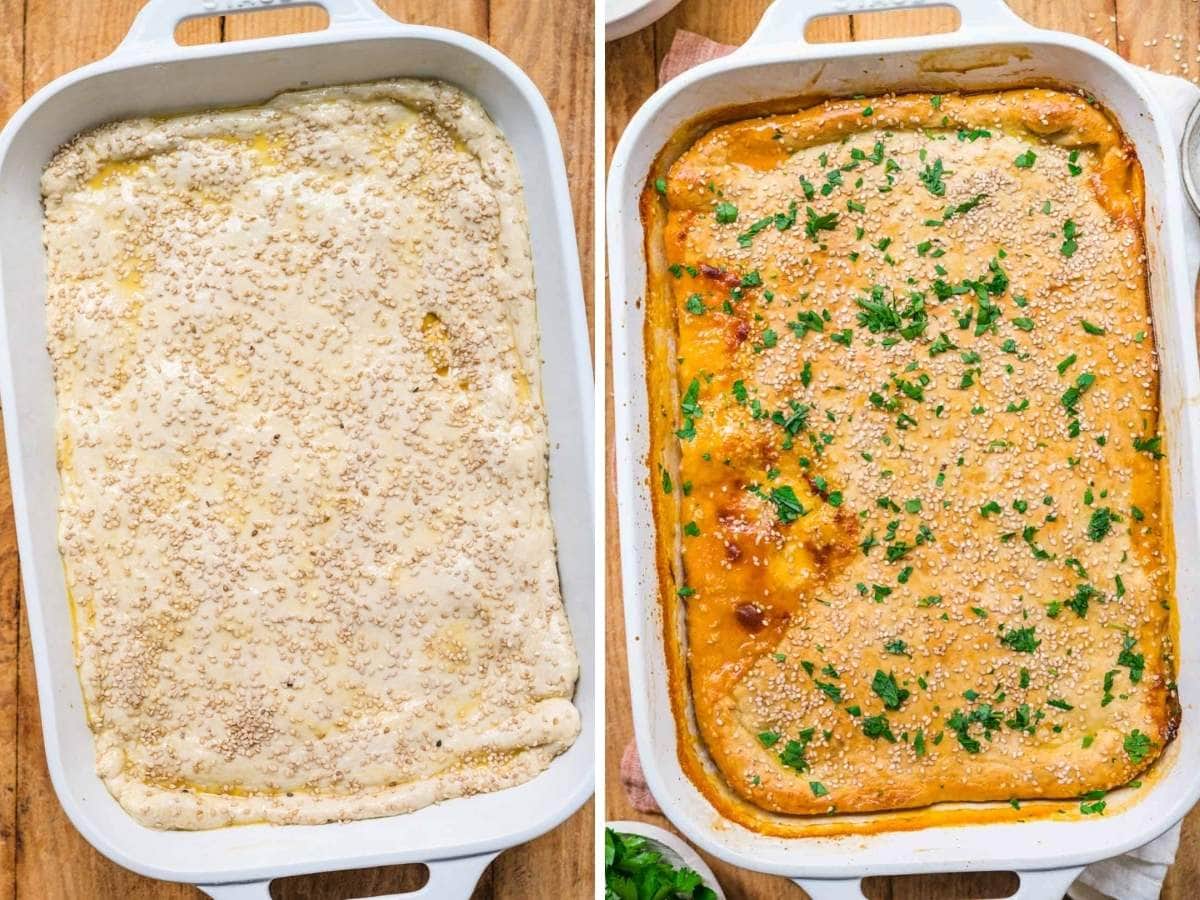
column 687, row 50
column 634, row 781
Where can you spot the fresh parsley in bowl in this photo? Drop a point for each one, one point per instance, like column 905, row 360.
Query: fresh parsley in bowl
column 636, row 868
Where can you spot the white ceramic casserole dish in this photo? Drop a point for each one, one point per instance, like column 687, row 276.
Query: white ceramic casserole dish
column 992, row 49
column 150, row 74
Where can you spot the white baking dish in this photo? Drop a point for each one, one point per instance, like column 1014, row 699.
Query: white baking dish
column 150, row 74
column 992, row 49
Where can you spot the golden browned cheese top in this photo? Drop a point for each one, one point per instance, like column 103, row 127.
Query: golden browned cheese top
column 924, row 552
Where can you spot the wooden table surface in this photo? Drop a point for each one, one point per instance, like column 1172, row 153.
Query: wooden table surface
column 41, row 854
column 1163, row 34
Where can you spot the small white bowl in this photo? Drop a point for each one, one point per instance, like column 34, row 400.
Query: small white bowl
column 674, row 849
column 624, row 17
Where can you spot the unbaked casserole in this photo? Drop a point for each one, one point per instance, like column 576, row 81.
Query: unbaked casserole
column 304, row 516
column 907, row 455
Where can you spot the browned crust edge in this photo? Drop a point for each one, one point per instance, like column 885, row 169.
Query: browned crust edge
column 1120, row 190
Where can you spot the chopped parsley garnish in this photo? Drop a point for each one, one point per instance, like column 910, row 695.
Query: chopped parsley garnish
column 1092, row 803
column 1028, row 534
column 794, row 421
column 818, row 789
column 1020, row 639
column 1023, row 719
column 695, row 305
column 932, row 177
column 878, row 727
column 885, row 687
column 726, row 213
column 1150, row 445
column 747, row 236
column 660, row 185
column 960, row 723
column 793, row 756
column 1025, row 160
column 1100, row 524
column 805, row 322
column 919, row 742
column 1090, row 328
column 816, row 223
column 942, row 344
column 832, row 691
column 1134, row 662
column 951, row 211
column 768, row 738
column 1137, row 746
column 1071, row 395
column 787, row 504
column 1070, row 232
column 1079, row 603
column 690, row 407
column 784, row 221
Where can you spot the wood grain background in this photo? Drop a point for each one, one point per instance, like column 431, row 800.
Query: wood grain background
column 1163, row 34
column 41, row 854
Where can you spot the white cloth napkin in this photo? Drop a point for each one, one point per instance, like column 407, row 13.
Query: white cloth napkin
column 1138, row 874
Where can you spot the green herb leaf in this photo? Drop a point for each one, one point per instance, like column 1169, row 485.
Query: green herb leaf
column 878, row 727
column 884, row 685
column 932, row 177
column 816, row 223
column 1020, row 639
column 1137, row 746
column 1025, row 160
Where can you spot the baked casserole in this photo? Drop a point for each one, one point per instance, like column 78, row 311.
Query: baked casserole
column 304, row 515
column 907, row 454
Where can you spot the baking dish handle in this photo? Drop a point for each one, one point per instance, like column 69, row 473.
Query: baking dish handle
column 785, row 20
column 154, row 27
column 449, row 879
column 1036, row 884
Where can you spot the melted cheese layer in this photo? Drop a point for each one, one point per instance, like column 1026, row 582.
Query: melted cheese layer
column 304, row 512
column 918, row 490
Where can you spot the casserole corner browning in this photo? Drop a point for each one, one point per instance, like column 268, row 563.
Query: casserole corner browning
column 907, row 458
